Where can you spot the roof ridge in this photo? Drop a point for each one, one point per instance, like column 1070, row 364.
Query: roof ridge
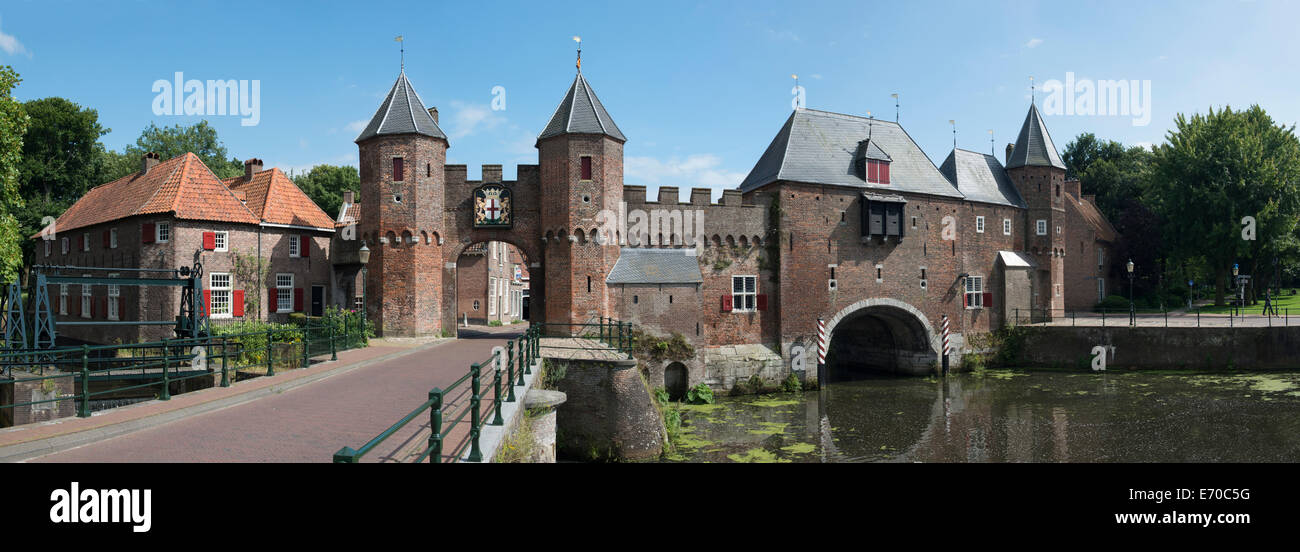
column 158, row 188
column 586, row 89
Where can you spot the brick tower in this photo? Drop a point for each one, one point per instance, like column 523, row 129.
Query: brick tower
column 1039, row 175
column 580, row 154
column 402, row 154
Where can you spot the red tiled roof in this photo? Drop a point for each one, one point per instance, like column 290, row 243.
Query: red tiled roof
column 351, row 215
column 273, row 197
column 182, row 185
column 1094, row 218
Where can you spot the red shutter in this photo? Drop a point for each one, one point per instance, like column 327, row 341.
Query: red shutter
column 884, row 172
column 106, row 239
column 207, row 302
column 965, row 300
column 146, row 232
column 586, row 168
column 304, row 246
column 762, row 301
column 272, row 300
column 209, row 241
column 873, row 170
column 726, row 303
column 988, row 299
column 237, row 302
column 397, row 169
column 297, row 299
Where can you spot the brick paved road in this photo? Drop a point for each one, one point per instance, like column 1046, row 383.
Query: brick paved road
column 309, row 423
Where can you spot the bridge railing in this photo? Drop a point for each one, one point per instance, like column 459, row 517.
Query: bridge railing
column 1195, row 317
column 464, row 404
column 615, row 335
column 162, row 364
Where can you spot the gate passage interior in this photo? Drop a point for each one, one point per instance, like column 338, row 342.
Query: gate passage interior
column 190, row 322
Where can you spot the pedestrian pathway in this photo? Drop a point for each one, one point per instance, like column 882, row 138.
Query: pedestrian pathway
column 344, row 404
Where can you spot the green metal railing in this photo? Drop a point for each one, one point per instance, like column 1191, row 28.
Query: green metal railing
column 614, row 334
column 465, row 398
column 165, row 363
column 1155, row 317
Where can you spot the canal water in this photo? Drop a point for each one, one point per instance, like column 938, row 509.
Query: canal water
column 1008, row 416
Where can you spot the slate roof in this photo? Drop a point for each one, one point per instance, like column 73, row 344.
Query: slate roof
column 873, row 151
column 1034, row 147
column 821, row 147
column 182, row 185
column 1012, row 259
column 401, row 113
column 581, row 113
column 981, row 178
column 655, row 266
column 273, row 197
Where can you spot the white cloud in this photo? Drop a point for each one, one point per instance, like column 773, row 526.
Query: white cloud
column 468, row 118
column 1146, row 145
column 10, row 44
column 1034, row 42
column 356, row 126
column 341, row 160
column 697, row 170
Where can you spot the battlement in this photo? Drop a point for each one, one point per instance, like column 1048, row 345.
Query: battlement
column 668, row 196
column 457, row 175
column 726, row 221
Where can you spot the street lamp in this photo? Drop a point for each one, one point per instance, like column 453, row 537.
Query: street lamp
column 363, row 256
column 1132, row 311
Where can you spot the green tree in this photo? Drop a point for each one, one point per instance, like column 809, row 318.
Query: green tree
column 60, row 162
column 1216, row 169
column 199, row 138
column 13, row 125
column 325, row 185
column 1108, row 170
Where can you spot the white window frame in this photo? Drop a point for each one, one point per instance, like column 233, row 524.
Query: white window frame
column 85, row 299
column 1006, row 227
column 979, row 225
column 222, row 295
column 114, row 291
column 505, row 298
column 282, row 291
column 974, row 292
column 85, row 241
column 295, row 246
column 63, row 298
column 492, row 296
column 1101, row 257
column 1041, row 227
column 112, row 238
column 162, row 232
column 221, row 240
column 745, row 300
column 63, row 246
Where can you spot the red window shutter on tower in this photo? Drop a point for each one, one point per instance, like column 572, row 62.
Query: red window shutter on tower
column 146, row 232
column 586, row 168
column 297, row 299
column 237, row 302
column 988, row 299
column 726, row 303
column 207, row 302
column 209, row 241
column 762, row 301
column 272, row 300
column 397, row 169
column 304, row 246
column 106, row 245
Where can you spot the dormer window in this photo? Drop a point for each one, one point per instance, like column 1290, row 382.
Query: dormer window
column 872, row 163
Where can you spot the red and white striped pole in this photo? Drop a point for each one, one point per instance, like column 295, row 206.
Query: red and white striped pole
column 947, row 348
column 822, row 340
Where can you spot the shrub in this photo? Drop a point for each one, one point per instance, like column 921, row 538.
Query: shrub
column 1113, row 303
column 792, row 384
column 494, row 323
column 661, row 395
column 700, row 394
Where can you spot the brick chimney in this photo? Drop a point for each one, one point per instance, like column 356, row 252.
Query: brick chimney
column 1073, row 188
column 147, row 162
column 252, row 167
column 348, row 197
column 1010, row 148
column 433, row 112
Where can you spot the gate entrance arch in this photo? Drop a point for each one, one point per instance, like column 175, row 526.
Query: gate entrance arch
column 880, row 336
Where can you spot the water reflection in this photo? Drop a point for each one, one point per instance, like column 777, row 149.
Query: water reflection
column 1007, row 416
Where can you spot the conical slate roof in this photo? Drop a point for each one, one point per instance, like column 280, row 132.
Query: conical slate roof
column 401, row 113
column 581, row 113
column 1034, row 147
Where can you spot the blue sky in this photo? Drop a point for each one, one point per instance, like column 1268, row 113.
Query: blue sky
column 698, row 88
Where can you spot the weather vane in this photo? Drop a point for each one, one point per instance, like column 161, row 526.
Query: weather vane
column 578, row 39
column 402, row 49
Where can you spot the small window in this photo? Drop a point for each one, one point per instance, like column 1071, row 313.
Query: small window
column 63, row 298
column 914, row 222
column 586, row 167
column 283, row 292
column 979, row 225
column 47, row 248
column 492, row 296
column 63, row 246
column 1058, row 229
column 744, row 293
column 974, row 292
column 294, row 242
column 112, row 238
column 880, row 274
column 476, row 305
column 221, row 240
column 635, row 299
column 398, row 172
column 1042, row 227
column 428, row 170
column 219, row 289
column 114, row 291
column 162, row 232
column 85, row 241
column 85, row 300
column 1006, row 227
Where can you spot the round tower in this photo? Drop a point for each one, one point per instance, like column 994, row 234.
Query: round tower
column 402, row 155
column 1038, row 173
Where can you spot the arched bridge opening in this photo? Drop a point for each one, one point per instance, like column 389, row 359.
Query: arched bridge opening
column 880, row 337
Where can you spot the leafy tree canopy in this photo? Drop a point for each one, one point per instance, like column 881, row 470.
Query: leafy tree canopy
column 13, row 125
column 199, row 138
column 325, row 185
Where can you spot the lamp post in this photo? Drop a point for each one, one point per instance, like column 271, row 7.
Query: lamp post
column 363, row 256
column 1132, row 311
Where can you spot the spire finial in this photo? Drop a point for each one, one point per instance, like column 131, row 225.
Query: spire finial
column 991, row 152
column 1031, row 90
column 578, row 39
column 895, row 96
column 871, row 121
column 953, row 122
column 402, row 50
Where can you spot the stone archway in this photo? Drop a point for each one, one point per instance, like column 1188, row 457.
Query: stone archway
column 450, row 296
column 880, row 335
